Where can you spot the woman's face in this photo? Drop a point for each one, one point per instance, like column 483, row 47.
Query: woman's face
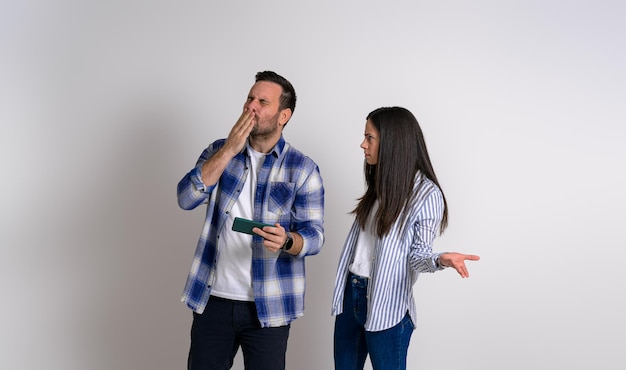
column 370, row 143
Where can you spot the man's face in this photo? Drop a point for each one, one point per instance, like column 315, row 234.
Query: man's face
column 263, row 100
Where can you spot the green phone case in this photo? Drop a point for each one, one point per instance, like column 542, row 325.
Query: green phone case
column 243, row 225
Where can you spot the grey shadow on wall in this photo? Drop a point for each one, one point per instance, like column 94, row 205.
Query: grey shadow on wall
column 143, row 244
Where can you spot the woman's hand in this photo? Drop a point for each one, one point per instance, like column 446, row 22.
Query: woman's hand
column 457, row 261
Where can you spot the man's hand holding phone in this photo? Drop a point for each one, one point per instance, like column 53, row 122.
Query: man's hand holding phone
column 275, row 236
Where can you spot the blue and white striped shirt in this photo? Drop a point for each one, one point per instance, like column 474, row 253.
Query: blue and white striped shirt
column 399, row 258
column 289, row 191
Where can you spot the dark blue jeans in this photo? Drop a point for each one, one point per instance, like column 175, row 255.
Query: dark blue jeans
column 223, row 327
column 352, row 343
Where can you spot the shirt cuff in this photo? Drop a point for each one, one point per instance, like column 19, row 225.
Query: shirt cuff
column 438, row 262
column 196, row 179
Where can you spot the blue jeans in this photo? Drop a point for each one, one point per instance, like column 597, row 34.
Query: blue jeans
column 352, row 343
column 223, row 327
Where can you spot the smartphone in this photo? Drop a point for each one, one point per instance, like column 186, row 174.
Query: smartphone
column 243, row 225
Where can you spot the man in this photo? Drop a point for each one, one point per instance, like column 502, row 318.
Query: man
column 245, row 290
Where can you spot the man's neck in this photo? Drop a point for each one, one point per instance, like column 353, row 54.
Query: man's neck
column 263, row 144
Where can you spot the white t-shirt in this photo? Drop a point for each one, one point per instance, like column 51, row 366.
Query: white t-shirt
column 365, row 247
column 233, row 279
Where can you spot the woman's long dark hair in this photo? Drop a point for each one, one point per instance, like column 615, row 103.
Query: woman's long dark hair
column 401, row 153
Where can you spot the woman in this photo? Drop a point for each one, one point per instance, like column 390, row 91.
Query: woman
column 389, row 244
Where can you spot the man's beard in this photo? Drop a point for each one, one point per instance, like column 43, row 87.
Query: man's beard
column 268, row 129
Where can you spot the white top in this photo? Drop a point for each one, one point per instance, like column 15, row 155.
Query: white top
column 365, row 247
column 233, row 279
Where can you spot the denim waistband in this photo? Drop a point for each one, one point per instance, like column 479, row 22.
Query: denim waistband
column 357, row 281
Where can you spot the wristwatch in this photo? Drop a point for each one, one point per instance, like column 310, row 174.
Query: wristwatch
column 288, row 243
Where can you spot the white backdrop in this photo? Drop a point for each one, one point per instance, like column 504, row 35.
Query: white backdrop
column 105, row 105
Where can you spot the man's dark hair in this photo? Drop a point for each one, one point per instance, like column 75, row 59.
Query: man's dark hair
column 288, row 96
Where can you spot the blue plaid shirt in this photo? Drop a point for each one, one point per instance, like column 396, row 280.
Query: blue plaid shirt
column 289, row 191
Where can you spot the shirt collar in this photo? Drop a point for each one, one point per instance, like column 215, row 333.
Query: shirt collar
column 276, row 151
